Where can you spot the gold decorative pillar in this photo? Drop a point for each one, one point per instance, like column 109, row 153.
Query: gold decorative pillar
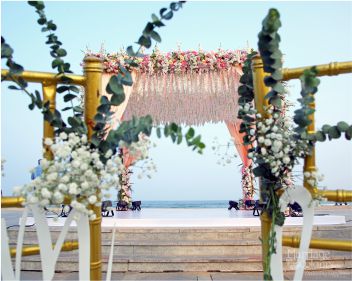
column 309, row 161
column 49, row 95
column 260, row 91
column 93, row 70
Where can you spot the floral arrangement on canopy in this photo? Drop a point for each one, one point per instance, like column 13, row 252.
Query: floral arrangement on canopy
column 185, row 87
column 174, row 62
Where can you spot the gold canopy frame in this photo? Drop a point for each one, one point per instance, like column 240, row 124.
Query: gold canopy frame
column 260, row 91
column 91, row 80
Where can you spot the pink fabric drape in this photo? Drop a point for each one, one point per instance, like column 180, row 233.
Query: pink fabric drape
column 247, row 179
column 127, row 158
column 234, row 129
column 191, row 99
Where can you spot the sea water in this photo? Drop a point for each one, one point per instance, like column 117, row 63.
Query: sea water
column 196, row 204
column 193, row 204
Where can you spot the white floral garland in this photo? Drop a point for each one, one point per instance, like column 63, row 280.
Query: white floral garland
column 76, row 174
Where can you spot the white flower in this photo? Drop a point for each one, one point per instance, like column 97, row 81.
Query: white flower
column 84, row 166
column 58, row 196
column 252, row 132
column 85, row 185
column 267, row 142
column 76, row 163
column 286, row 160
column 48, row 142
column 84, row 138
column 95, row 156
column 92, row 199
column 45, row 193
column 277, row 145
column 44, row 163
column 63, row 136
column 278, row 137
column 52, row 177
column 73, row 188
column 261, row 139
column 263, row 151
column 62, row 187
column 250, row 155
column 268, row 121
column 65, row 179
column 311, row 182
column 279, row 154
column 108, row 154
column 274, row 129
column 307, row 174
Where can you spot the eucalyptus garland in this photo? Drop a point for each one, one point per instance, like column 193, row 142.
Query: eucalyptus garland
column 276, row 144
column 128, row 131
column 103, row 144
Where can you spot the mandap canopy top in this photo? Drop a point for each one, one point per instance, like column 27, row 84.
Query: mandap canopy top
column 185, row 87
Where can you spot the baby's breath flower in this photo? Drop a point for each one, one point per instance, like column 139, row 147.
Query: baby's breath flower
column 48, row 141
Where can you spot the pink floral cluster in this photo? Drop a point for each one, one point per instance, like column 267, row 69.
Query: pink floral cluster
column 247, row 183
column 176, row 61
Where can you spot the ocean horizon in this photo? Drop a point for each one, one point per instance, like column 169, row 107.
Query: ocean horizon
column 192, row 204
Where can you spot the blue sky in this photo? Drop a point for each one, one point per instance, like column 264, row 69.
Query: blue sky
column 312, row 33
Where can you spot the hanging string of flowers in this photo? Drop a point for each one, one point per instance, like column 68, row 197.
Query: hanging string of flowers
column 186, row 87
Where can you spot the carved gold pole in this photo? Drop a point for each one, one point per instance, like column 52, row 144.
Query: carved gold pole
column 49, row 95
column 330, row 69
column 93, row 70
column 309, row 160
column 35, row 249
column 260, row 90
column 318, row 243
column 11, row 202
column 338, row 195
column 39, row 77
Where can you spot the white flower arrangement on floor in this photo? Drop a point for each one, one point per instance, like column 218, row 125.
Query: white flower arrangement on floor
column 76, row 173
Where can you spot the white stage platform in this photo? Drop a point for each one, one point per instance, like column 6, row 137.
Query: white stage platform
column 193, row 218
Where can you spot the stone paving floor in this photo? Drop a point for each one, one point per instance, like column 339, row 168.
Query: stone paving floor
column 345, row 274
column 201, row 276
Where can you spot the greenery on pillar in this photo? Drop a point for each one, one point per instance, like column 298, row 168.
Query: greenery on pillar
column 104, row 142
column 276, row 143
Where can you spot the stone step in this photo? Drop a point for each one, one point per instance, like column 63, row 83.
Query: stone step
column 188, row 248
column 192, row 234
column 245, row 263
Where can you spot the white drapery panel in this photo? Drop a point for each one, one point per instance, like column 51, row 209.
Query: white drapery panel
column 303, row 197
column 48, row 255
